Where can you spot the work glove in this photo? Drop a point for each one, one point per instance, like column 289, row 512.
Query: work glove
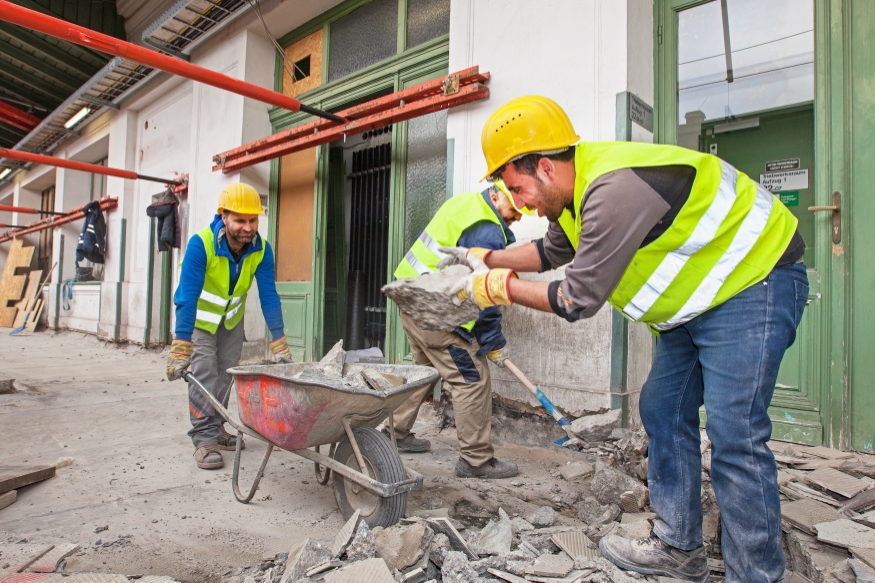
column 497, row 356
column 487, row 287
column 280, row 350
column 460, row 256
column 179, row 358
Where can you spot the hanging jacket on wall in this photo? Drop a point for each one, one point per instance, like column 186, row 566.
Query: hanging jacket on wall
column 92, row 240
column 166, row 210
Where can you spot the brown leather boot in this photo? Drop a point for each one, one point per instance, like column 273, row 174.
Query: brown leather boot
column 208, row 457
column 228, row 442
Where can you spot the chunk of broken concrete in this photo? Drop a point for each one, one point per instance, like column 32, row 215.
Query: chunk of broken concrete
column 638, row 530
column 862, row 571
column 370, row 570
column 400, row 546
column 590, row 512
column 458, row 543
column 363, row 545
column 428, row 299
column 575, row 470
column 345, row 534
column 609, row 484
column 440, row 546
column 846, row 533
column 303, row 557
column 551, row 566
column 596, row 427
column 496, row 536
column 457, row 569
column 521, row 525
column 543, row 517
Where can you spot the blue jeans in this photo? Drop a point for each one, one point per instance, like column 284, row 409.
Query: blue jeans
column 728, row 360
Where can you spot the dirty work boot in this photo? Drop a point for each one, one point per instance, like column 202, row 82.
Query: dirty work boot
column 410, row 443
column 654, row 557
column 208, row 457
column 228, row 442
column 491, row 470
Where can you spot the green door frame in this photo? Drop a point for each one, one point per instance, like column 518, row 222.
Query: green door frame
column 427, row 61
column 828, row 318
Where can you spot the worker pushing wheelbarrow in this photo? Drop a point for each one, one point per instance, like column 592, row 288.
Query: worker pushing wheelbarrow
column 299, row 406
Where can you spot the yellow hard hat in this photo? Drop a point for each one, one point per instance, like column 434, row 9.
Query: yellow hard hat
column 240, row 198
column 499, row 184
column 523, row 126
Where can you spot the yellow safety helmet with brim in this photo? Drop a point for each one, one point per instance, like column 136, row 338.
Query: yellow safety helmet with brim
column 525, row 125
column 240, row 198
column 499, row 184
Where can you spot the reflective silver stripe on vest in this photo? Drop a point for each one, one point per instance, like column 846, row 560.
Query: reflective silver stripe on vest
column 745, row 238
column 703, row 234
column 432, row 245
column 418, row 265
column 230, row 314
column 213, row 299
column 235, row 300
column 208, row 317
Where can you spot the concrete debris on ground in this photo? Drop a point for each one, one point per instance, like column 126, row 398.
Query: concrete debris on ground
column 544, row 517
column 596, row 428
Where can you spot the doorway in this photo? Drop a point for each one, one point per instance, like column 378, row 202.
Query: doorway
column 357, row 243
column 744, row 90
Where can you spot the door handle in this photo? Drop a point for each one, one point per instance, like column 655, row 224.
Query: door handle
column 836, row 209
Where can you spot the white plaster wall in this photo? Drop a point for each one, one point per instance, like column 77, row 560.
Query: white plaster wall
column 580, row 54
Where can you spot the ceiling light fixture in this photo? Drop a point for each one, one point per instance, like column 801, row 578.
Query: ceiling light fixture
column 5, row 173
column 77, row 118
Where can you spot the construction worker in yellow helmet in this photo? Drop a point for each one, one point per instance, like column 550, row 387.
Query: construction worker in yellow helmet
column 712, row 263
column 220, row 263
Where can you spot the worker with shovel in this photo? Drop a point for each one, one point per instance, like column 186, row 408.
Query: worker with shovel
column 220, row 263
column 712, row 262
column 473, row 219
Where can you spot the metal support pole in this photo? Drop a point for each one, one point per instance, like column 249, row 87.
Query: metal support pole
column 117, row 327
column 150, row 274
column 125, row 50
column 166, row 284
column 60, row 279
column 82, row 166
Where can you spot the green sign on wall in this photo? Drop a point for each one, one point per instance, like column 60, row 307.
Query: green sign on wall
column 789, row 198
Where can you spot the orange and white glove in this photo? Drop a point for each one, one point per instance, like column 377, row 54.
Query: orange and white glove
column 280, row 350
column 179, row 358
column 461, row 255
column 487, row 287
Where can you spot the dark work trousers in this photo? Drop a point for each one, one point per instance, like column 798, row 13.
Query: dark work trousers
column 211, row 357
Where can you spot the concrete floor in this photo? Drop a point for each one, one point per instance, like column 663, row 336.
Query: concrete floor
column 110, row 408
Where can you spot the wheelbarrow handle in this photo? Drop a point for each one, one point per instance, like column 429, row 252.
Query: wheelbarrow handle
column 220, row 409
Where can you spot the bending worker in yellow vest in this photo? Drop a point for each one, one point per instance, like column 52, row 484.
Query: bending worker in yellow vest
column 220, row 263
column 712, row 262
column 472, row 219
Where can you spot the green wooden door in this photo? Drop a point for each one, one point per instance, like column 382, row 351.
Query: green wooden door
column 757, row 109
column 857, row 187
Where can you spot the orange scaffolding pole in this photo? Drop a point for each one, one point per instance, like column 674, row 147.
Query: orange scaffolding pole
column 106, row 203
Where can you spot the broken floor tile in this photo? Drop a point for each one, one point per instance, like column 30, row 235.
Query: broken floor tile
column 456, row 541
column 805, row 513
column 629, row 502
column 846, row 533
column 576, row 545
column 345, row 534
column 369, row 570
column 862, row 571
column 400, row 546
column 575, row 470
column 49, row 562
column 805, row 557
column 551, row 566
column 828, row 453
column 861, row 502
column 510, row 577
column 633, row 516
column 838, row 482
column 571, row 577
column 865, row 555
column 303, row 557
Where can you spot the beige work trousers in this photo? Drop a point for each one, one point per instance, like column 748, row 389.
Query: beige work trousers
column 466, row 377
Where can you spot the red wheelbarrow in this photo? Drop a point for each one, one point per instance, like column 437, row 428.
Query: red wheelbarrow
column 293, row 412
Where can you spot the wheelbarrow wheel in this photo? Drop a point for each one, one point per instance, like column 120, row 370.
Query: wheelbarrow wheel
column 323, row 474
column 384, row 465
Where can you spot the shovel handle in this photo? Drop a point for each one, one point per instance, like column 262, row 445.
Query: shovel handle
column 550, row 407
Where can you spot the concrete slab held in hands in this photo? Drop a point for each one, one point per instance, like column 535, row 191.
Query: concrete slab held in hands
column 838, row 482
column 428, row 299
column 846, row 533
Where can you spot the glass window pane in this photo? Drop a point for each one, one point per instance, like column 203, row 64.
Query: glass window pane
column 772, row 57
column 427, row 19
column 363, row 37
column 426, row 172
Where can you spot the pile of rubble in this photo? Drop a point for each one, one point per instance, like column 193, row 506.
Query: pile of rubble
column 827, row 501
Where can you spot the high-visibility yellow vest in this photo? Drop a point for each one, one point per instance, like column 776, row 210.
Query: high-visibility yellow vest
column 444, row 230
column 215, row 303
column 728, row 235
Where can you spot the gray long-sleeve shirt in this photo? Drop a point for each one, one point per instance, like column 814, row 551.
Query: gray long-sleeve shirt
column 621, row 212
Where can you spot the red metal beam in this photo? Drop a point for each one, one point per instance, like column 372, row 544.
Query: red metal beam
column 22, row 209
column 106, row 44
column 18, row 118
column 83, row 166
column 106, row 203
column 466, row 86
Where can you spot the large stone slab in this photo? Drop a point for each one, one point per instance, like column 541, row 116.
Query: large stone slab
column 846, row 533
column 400, row 546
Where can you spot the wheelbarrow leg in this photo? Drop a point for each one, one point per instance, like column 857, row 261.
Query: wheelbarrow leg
column 237, row 494
column 355, row 447
column 391, row 421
